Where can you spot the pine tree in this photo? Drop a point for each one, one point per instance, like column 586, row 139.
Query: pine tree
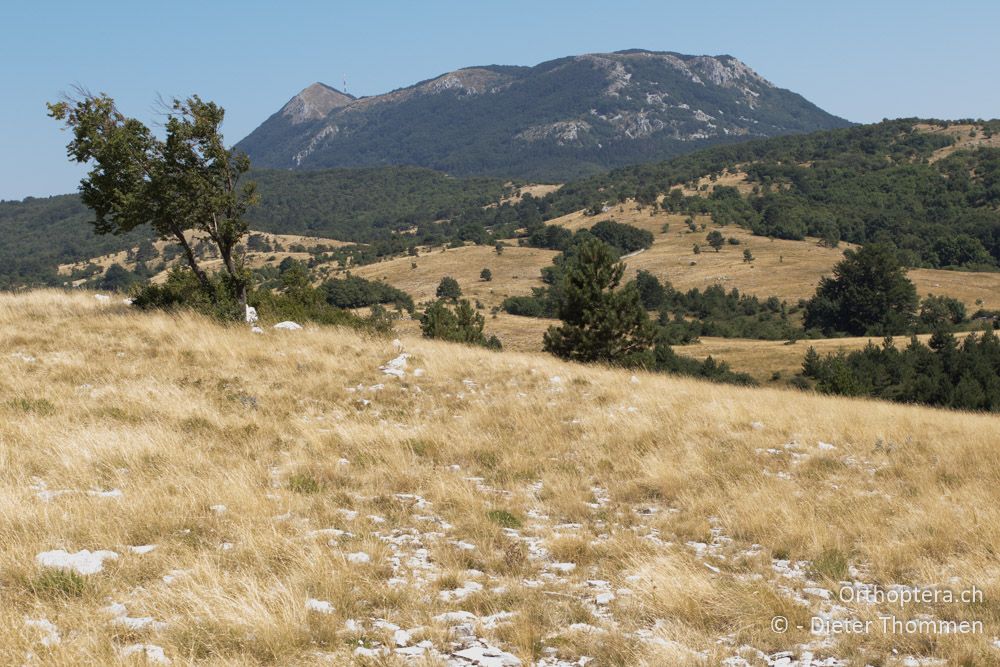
column 600, row 322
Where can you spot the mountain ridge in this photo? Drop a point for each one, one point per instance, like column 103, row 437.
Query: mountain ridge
column 560, row 119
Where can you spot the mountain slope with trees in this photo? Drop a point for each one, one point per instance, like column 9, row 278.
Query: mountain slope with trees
column 904, row 183
column 558, row 120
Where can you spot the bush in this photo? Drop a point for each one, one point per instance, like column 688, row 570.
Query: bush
column 356, row 292
column 459, row 325
column 448, row 289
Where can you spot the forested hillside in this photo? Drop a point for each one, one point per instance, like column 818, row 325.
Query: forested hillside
column 931, row 190
column 894, row 182
column 362, row 205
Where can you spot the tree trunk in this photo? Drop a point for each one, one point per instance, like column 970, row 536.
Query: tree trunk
column 193, row 263
column 238, row 281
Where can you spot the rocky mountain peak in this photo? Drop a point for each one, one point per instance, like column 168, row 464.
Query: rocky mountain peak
column 314, row 102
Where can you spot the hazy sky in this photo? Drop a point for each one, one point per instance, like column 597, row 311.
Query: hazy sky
column 861, row 60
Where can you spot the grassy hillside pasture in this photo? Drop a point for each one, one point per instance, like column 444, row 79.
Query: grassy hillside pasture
column 641, row 520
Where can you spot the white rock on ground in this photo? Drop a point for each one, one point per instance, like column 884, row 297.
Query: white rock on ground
column 396, row 367
column 251, row 315
column 48, row 630
column 144, row 549
column 320, row 606
column 358, row 558
column 288, row 326
column 110, row 493
column 153, row 653
column 81, row 562
column 103, row 298
column 488, row 656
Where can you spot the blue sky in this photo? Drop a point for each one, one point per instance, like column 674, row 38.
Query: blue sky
column 861, row 60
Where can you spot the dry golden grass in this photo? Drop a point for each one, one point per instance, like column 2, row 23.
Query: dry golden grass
column 687, row 498
column 536, row 190
column 706, row 184
column 761, row 358
column 967, row 137
column 515, row 272
column 976, row 290
column 254, row 259
column 789, row 270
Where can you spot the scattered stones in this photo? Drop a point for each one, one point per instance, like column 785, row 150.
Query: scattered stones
column 396, row 367
column 120, row 616
column 48, row 631
column 82, row 562
column 486, row 656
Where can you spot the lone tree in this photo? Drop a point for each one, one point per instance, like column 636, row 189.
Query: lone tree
column 448, row 289
column 187, row 182
column 715, row 239
column 459, row 325
column 869, row 293
column 747, row 255
column 486, row 275
column 600, row 322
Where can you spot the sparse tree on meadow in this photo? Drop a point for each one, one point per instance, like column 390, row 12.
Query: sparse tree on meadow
column 868, row 293
column 187, row 182
column 599, row 321
column 448, row 289
column 715, row 239
column 486, row 275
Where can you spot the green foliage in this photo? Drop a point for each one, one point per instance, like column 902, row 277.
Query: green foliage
column 651, row 291
column 938, row 312
column 944, row 372
column 37, row 406
column 183, row 290
column 369, row 205
column 296, row 300
column 869, row 293
column 486, row 275
column 303, row 483
column 504, row 519
column 448, row 288
column 188, row 181
column 865, row 184
column 118, row 279
column 667, row 361
column 624, row 238
column 356, row 292
column 498, row 134
column 460, row 324
column 715, row 239
column 58, row 583
column 747, row 255
column 601, row 323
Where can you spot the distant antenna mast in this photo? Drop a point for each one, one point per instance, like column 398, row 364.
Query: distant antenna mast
column 345, row 83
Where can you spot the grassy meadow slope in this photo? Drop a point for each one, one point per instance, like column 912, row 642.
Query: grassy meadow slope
column 304, row 505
